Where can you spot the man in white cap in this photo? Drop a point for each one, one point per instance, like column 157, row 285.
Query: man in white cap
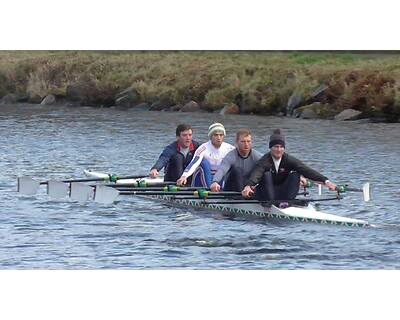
column 207, row 158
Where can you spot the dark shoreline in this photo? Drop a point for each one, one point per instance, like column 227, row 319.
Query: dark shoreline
column 62, row 104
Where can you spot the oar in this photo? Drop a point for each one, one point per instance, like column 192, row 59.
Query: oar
column 200, row 194
column 190, row 197
column 366, row 190
column 104, row 194
column 107, row 195
column 164, row 189
column 142, row 184
column 82, row 192
column 173, row 188
column 29, row 186
column 274, row 202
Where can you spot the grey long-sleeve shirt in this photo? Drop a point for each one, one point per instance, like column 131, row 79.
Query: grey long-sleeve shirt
column 233, row 158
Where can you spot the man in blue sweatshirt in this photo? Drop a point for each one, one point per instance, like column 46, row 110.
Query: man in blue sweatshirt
column 176, row 156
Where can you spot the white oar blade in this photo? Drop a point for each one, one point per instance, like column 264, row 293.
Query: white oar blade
column 105, row 194
column 57, row 189
column 81, row 192
column 27, row 185
column 319, row 189
column 366, row 192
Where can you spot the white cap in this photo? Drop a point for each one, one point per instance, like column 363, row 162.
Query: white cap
column 215, row 127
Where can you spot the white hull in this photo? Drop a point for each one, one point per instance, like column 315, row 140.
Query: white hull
column 253, row 210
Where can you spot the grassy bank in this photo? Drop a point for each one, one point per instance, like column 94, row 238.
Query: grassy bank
column 258, row 82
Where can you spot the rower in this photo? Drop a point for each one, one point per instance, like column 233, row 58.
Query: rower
column 207, row 158
column 237, row 164
column 176, row 156
column 277, row 174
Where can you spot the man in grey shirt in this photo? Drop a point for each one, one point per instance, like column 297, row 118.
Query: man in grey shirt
column 237, row 164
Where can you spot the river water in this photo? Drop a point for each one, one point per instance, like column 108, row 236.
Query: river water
column 59, row 142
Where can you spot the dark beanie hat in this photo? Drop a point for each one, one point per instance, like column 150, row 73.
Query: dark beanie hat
column 277, row 137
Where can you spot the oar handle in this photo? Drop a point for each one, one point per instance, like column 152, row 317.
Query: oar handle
column 354, row 189
column 345, row 188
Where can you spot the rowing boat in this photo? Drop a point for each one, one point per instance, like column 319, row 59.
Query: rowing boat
column 296, row 213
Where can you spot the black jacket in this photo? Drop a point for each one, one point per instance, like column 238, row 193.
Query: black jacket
column 288, row 164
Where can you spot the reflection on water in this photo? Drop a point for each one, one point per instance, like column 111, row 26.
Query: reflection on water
column 57, row 142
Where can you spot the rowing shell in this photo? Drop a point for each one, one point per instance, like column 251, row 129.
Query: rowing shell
column 252, row 210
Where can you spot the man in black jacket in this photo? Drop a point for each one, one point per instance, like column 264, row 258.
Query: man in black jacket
column 277, row 174
column 176, row 156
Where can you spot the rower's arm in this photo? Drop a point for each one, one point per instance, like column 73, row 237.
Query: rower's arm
column 225, row 166
column 195, row 163
column 163, row 159
column 258, row 171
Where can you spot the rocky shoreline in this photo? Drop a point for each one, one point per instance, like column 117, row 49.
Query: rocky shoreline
column 129, row 98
